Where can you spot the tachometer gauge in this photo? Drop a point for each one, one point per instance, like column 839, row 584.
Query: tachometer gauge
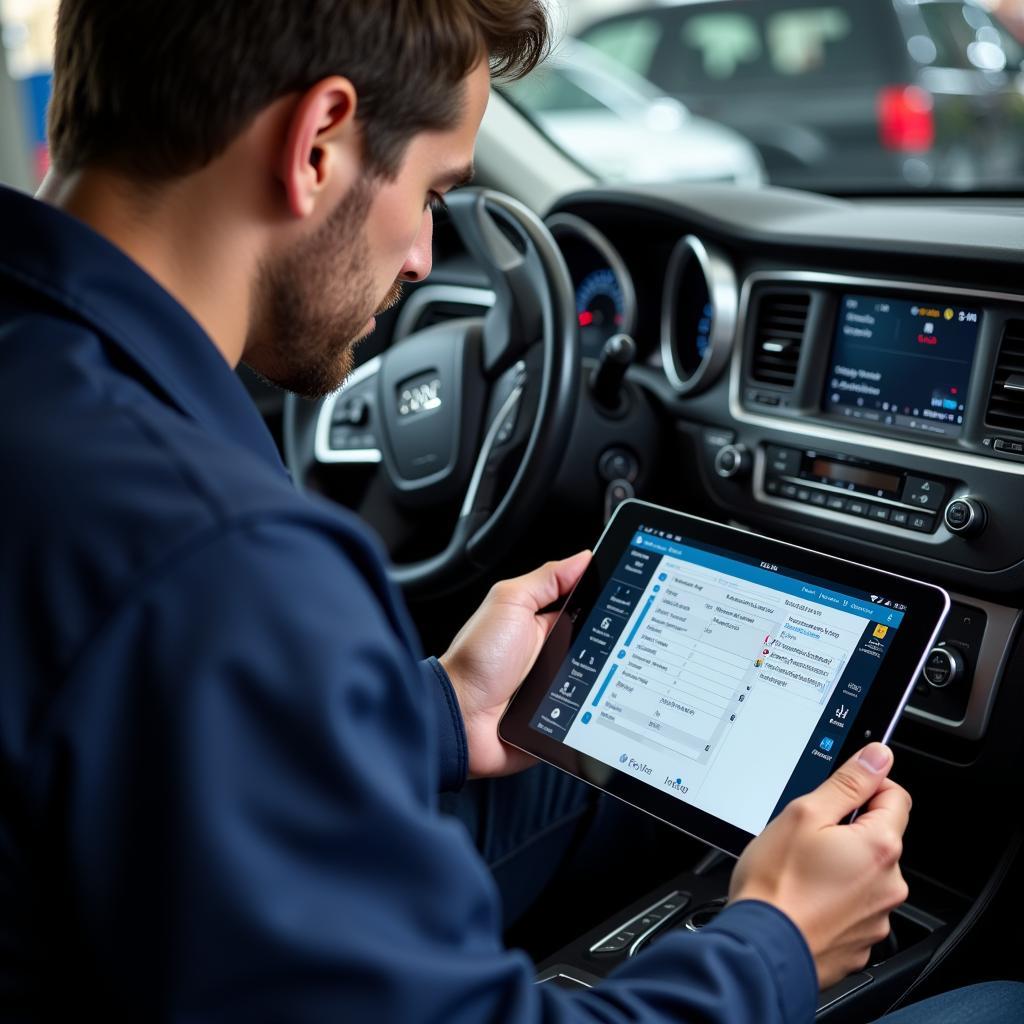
column 601, row 308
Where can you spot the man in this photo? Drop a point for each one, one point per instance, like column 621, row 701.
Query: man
column 221, row 757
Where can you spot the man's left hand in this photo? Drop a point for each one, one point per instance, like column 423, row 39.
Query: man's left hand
column 493, row 652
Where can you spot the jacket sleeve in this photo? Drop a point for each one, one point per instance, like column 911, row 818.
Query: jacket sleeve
column 243, row 792
column 453, row 750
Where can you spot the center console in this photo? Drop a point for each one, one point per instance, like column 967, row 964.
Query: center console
column 692, row 900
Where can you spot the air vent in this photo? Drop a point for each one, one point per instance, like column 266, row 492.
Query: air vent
column 778, row 335
column 1006, row 405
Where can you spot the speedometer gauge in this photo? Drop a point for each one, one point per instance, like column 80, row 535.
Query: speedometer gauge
column 605, row 295
column 601, row 307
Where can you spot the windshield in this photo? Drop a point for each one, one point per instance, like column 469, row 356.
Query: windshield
column 839, row 96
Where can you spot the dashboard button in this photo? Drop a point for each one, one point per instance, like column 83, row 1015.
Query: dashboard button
column 772, row 486
column 1008, row 447
column 802, row 494
column 921, row 522
column 819, row 498
column 857, row 508
column 965, row 516
column 879, row 512
column 899, row 518
column 783, row 461
column 837, row 504
column 923, row 493
column 789, row 491
column 763, row 399
column 715, row 438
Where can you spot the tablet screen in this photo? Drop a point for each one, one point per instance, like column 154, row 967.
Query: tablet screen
column 727, row 682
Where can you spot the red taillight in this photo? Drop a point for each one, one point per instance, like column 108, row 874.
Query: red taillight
column 906, row 118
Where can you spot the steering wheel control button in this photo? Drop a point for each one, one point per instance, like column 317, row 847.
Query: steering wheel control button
column 925, row 494
column 732, row 461
column 943, row 666
column 965, row 516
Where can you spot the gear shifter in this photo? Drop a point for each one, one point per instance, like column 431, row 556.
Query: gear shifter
column 617, row 357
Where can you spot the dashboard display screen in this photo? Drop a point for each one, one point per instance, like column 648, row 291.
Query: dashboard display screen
column 902, row 364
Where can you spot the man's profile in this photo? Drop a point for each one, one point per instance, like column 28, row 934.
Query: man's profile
column 221, row 749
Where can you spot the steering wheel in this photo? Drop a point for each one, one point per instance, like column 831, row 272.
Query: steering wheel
column 447, row 411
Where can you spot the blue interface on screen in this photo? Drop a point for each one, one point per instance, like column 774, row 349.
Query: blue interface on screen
column 726, row 682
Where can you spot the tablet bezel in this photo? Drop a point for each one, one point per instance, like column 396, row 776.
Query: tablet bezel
column 927, row 607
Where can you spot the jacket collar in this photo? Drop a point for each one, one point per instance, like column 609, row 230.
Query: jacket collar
column 58, row 257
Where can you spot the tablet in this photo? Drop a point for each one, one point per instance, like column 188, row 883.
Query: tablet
column 708, row 675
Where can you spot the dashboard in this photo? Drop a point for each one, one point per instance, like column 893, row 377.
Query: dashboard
column 846, row 375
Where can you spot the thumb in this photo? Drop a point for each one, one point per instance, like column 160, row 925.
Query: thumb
column 853, row 785
column 553, row 580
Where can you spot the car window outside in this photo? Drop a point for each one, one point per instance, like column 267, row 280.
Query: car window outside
column 843, row 96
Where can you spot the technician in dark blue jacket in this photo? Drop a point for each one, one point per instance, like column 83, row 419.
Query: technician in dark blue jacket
column 221, row 754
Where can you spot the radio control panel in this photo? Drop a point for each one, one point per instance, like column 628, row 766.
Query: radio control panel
column 858, row 489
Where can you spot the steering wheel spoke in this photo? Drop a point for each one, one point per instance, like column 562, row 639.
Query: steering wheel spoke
column 460, row 410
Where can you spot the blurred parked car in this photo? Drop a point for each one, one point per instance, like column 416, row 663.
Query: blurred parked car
column 620, row 126
column 841, row 94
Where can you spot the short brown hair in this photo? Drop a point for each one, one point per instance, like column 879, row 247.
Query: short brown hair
column 159, row 89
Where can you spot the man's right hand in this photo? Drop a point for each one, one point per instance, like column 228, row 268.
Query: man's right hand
column 837, row 883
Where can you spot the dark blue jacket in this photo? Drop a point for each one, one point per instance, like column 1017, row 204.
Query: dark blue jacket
column 220, row 753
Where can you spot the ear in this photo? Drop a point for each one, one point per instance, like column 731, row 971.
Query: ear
column 323, row 146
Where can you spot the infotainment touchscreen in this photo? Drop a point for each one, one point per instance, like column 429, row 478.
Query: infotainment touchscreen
column 721, row 680
column 903, row 363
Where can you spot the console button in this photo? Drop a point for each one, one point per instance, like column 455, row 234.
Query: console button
column 819, row 498
column 836, row 504
column 966, row 516
column 857, row 508
column 898, row 517
column 789, row 491
column 802, row 494
column 923, row 493
column 1008, row 447
column 921, row 522
column 879, row 512
column 615, row 944
column 783, row 461
column 772, row 486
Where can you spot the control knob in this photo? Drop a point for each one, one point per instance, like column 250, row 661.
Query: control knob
column 965, row 516
column 732, row 460
column 944, row 665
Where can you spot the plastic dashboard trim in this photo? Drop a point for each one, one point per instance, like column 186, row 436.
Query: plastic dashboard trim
column 809, row 428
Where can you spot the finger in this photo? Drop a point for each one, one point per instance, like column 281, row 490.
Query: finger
column 547, row 584
column 853, row 785
column 891, row 804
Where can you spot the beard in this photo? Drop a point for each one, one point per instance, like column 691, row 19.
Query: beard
column 311, row 304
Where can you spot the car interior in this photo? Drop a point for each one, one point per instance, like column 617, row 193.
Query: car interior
column 684, row 353
column 707, row 347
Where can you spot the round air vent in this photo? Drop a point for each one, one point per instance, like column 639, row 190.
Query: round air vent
column 699, row 315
